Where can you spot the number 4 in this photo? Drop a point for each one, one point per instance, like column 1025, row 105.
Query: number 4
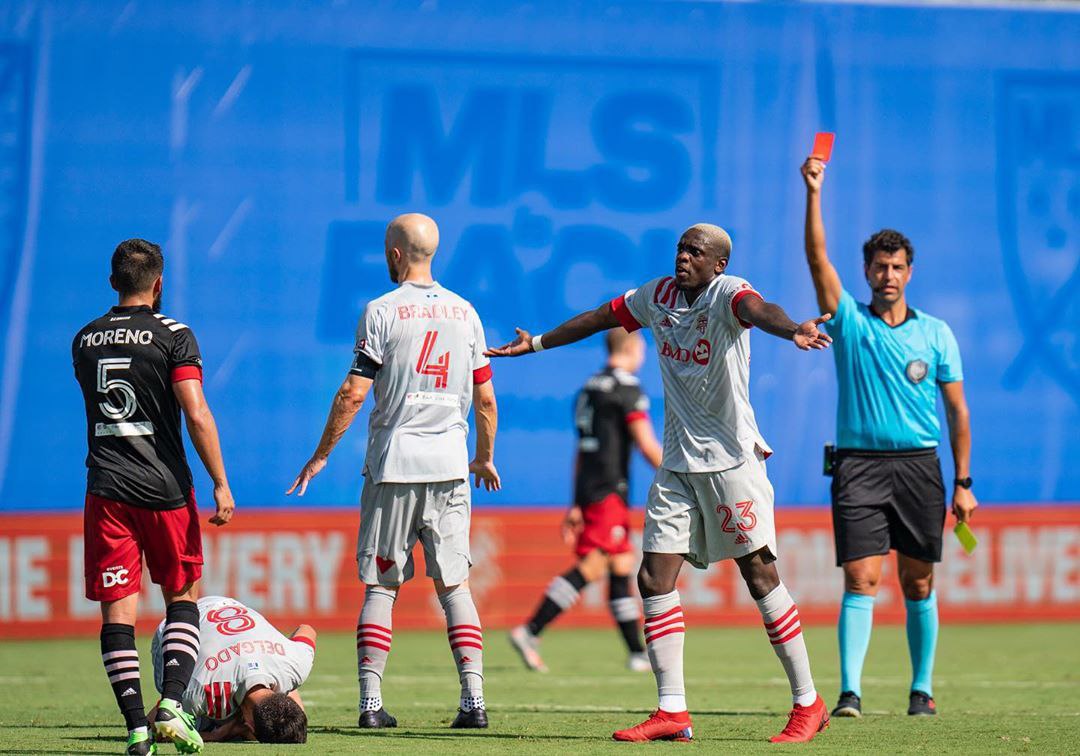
column 440, row 368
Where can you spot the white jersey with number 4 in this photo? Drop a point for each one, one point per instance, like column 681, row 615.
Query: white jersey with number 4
column 704, row 351
column 429, row 344
column 238, row 650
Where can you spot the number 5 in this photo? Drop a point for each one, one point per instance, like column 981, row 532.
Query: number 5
column 105, row 384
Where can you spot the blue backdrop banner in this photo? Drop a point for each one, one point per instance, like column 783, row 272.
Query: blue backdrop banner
column 562, row 147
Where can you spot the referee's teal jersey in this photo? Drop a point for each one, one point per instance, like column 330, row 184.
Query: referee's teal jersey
column 889, row 376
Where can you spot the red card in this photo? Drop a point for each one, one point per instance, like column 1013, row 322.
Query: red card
column 823, row 142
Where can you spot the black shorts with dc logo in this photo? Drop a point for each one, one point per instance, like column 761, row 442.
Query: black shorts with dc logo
column 888, row 500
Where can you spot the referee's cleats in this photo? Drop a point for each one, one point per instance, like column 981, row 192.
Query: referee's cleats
column 921, row 705
column 849, row 705
column 804, row 723
column 473, row 719
column 375, row 720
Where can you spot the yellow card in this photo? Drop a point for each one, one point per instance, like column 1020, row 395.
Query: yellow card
column 966, row 537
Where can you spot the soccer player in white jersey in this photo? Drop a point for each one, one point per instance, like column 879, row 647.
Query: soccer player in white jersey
column 422, row 346
column 711, row 499
column 247, row 675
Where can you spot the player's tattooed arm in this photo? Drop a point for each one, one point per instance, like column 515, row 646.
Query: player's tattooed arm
column 204, row 436
column 575, row 329
column 772, row 319
column 486, row 412
column 959, row 418
column 827, row 283
column 347, row 402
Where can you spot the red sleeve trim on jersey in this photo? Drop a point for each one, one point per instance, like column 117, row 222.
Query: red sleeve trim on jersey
column 735, row 305
column 187, row 373
column 481, row 375
column 623, row 314
column 305, row 639
column 633, row 417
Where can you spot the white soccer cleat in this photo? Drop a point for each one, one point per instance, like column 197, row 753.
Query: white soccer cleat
column 528, row 647
column 638, row 662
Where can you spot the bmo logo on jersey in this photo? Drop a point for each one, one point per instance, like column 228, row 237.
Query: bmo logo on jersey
column 114, row 576
column 701, row 353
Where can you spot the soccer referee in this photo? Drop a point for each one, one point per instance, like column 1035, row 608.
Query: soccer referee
column 887, row 488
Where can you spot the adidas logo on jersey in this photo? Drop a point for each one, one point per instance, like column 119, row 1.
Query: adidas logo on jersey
column 666, row 322
column 173, row 663
column 128, row 692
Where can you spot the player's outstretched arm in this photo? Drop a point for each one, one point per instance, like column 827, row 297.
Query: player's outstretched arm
column 486, row 412
column 959, row 419
column 575, row 329
column 826, row 279
column 204, row 435
column 347, row 402
column 771, row 318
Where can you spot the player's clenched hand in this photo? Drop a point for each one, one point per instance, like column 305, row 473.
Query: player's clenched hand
column 813, row 173
column 223, row 500
column 807, row 336
column 486, row 472
column 313, row 467
column 519, row 346
column 572, row 525
column 963, row 504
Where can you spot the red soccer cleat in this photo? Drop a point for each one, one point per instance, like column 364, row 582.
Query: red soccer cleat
column 662, row 725
column 804, row 723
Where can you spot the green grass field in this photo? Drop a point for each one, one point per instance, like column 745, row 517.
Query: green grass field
column 999, row 689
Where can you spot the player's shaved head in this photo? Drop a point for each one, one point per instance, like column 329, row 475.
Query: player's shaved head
column 618, row 340
column 712, row 237
column 415, row 235
column 625, row 350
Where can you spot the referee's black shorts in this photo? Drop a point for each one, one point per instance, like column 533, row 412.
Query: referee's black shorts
column 888, row 500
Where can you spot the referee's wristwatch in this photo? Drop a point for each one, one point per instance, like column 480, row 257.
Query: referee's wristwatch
column 963, row 482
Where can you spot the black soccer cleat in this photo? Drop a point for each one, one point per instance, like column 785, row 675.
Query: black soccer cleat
column 376, row 720
column 849, row 705
column 921, row 705
column 473, row 719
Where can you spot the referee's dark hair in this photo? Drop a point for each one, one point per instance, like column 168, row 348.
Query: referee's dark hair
column 887, row 240
column 136, row 264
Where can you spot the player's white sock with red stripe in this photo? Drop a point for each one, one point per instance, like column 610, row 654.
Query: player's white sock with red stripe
column 781, row 618
column 664, row 636
column 466, row 644
column 373, row 636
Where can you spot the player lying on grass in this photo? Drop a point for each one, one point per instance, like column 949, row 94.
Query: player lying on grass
column 422, row 348
column 612, row 416
column 247, row 677
column 711, row 499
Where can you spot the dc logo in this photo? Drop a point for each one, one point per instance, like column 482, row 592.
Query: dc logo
column 618, row 533
column 117, row 577
column 702, row 352
column 916, row 371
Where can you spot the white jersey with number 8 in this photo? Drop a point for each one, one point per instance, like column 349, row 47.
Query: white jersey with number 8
column 238, row 650
column 429, row 345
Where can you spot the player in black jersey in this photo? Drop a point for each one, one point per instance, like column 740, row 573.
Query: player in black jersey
column 138, row 369
column 612, row 415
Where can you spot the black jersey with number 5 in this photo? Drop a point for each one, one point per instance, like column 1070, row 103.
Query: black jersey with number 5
column 606, row 406
column 126, row 362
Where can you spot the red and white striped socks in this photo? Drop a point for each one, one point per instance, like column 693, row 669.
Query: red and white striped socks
column 466, row 644
column 373, row 636
column 665, row 632
column 781, row 618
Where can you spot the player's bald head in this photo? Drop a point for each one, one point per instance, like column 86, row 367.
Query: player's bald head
column 415, row 235
column 711, row 238
column 618, row 340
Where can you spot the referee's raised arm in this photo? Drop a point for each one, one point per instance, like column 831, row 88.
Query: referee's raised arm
column 826, row 280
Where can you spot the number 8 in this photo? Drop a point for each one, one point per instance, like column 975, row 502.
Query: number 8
column 231, row 620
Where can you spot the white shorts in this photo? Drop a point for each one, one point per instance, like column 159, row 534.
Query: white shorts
column 394, row 515
column 711, row 516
